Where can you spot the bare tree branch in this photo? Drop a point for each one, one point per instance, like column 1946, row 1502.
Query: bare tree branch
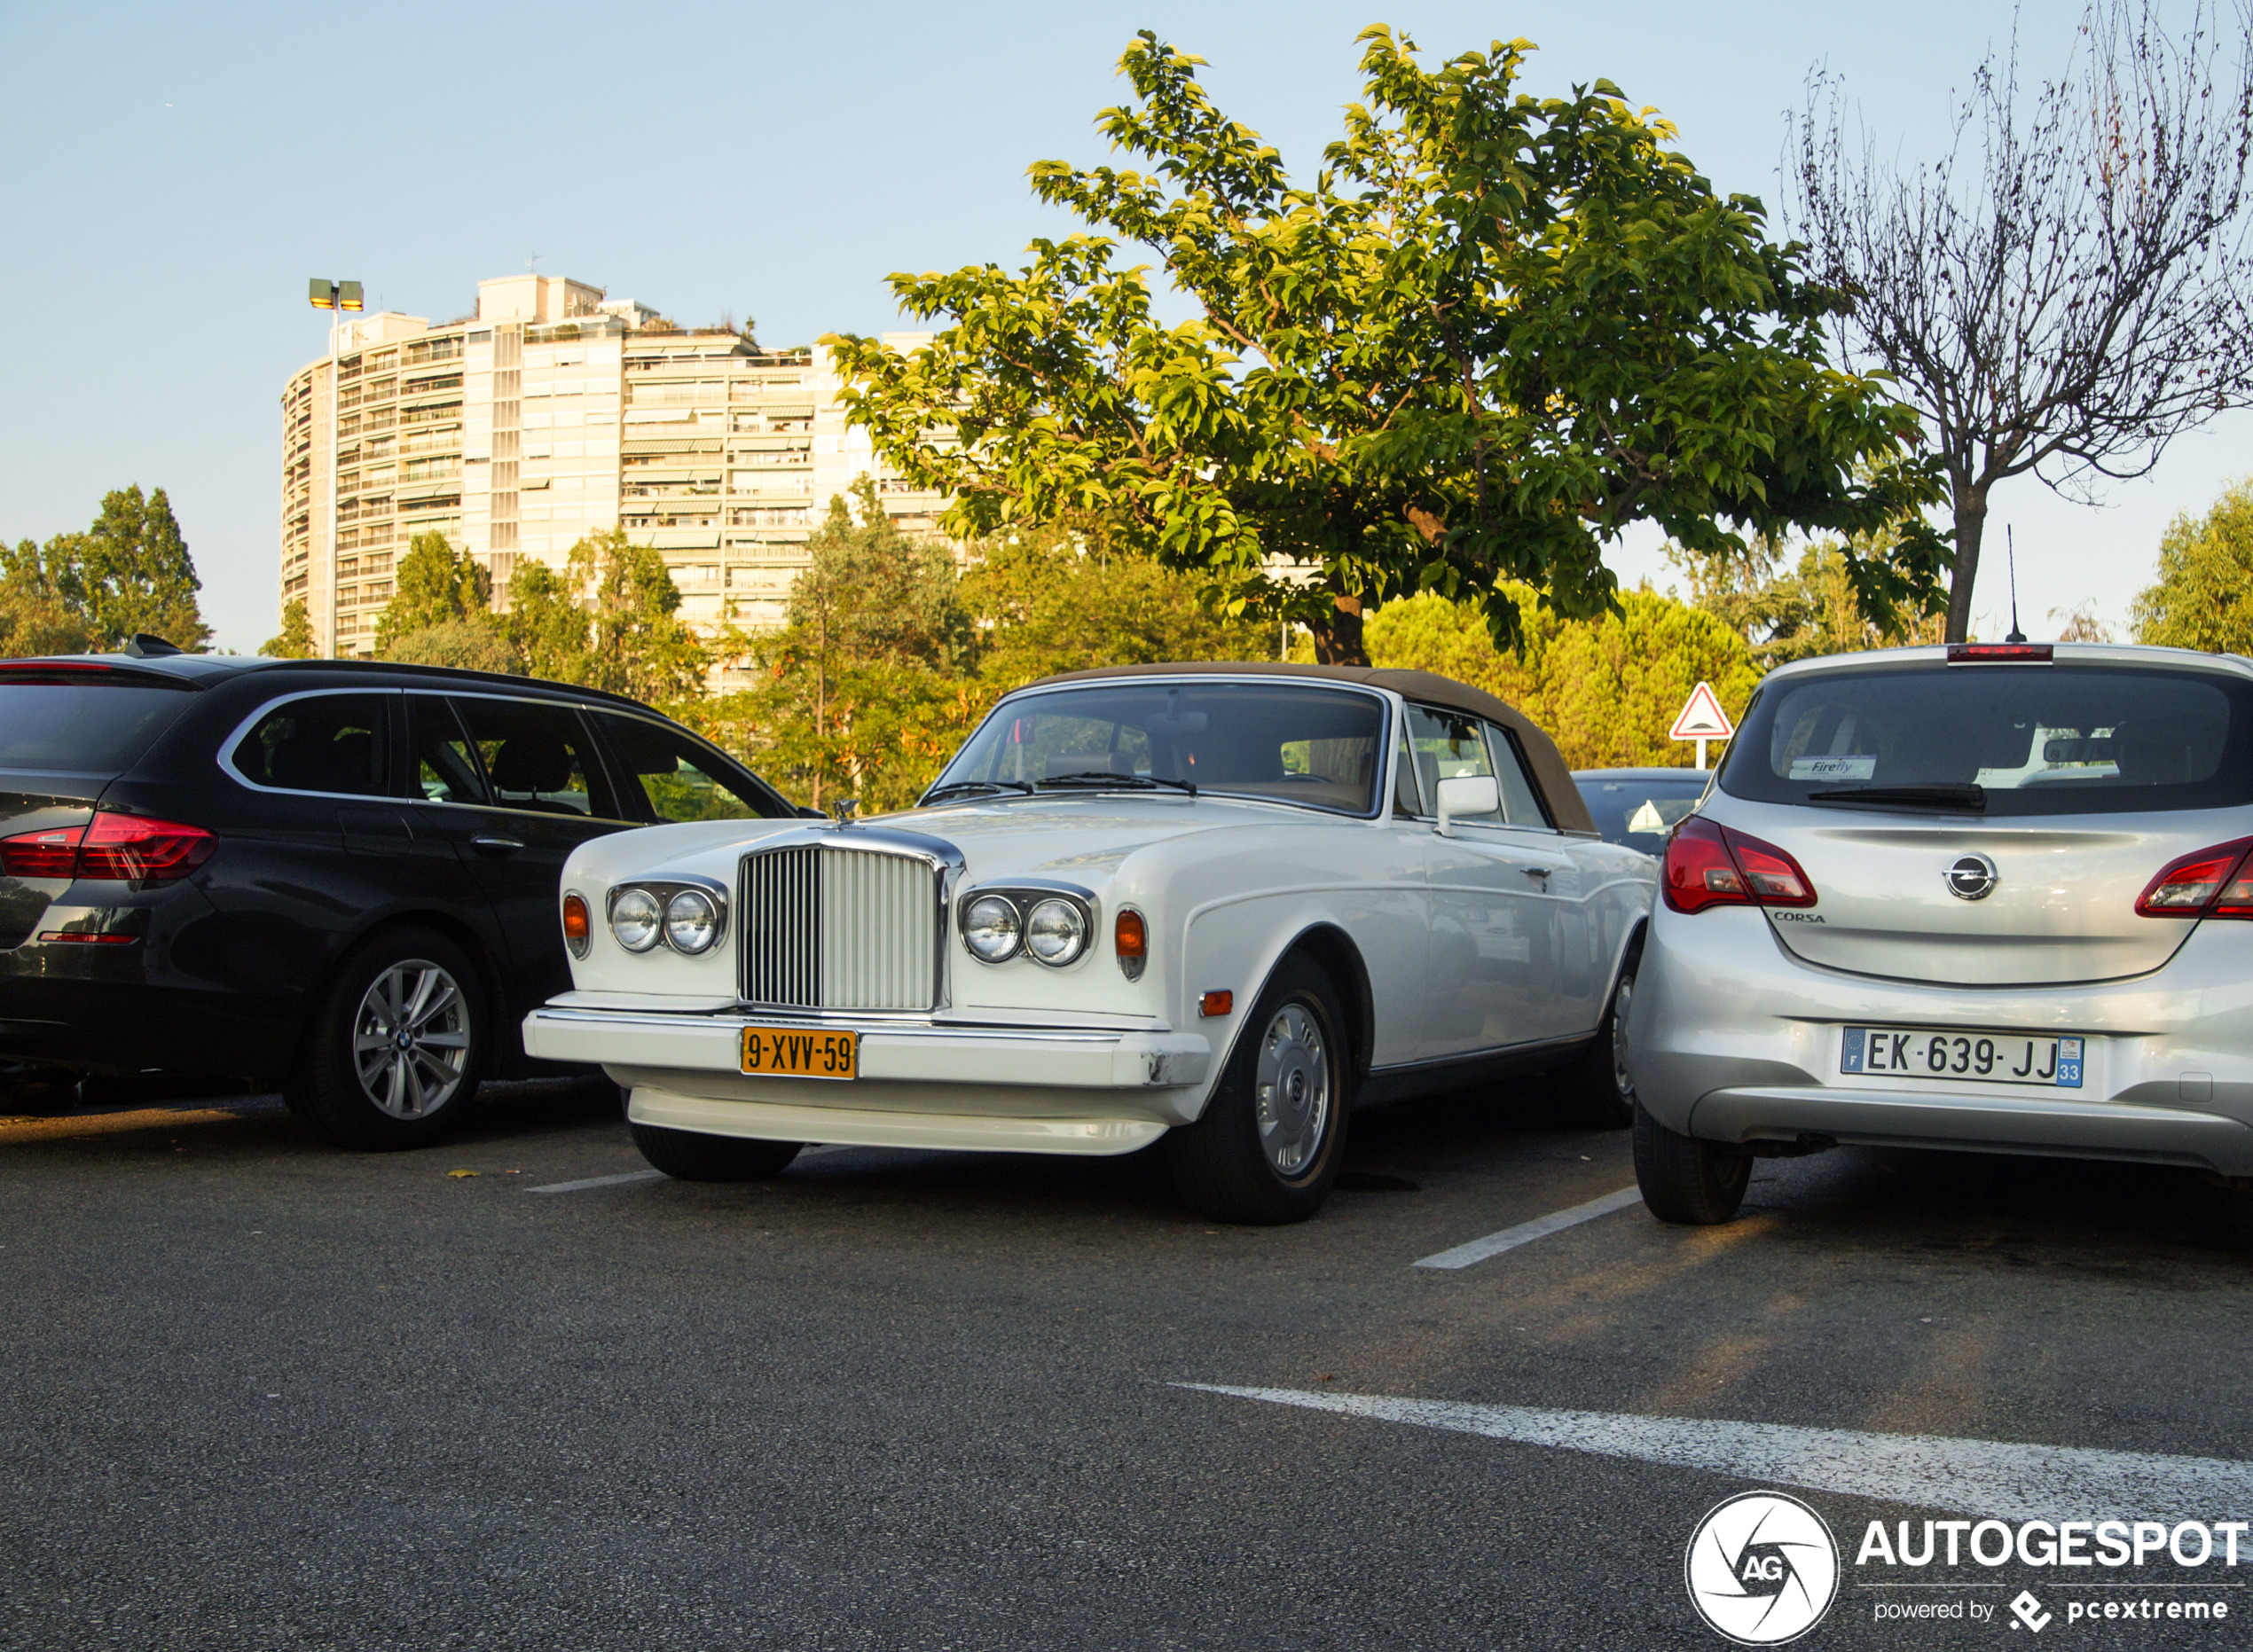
column 2070, row 286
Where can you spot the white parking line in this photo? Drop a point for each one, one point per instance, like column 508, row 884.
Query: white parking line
column 619, row 1180
column 1494, row 1244
column 1997, row 1479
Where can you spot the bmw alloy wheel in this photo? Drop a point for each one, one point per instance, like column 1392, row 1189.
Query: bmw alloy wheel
column 411, row 1039
column 1292, row 1092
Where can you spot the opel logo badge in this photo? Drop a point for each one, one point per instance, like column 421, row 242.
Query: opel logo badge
column 1972, row 877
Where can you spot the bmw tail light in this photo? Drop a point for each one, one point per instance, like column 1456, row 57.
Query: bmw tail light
column 136, row 848
column 2212, row 883
column 1707, row 865
column 127, row 847
column 50, row 854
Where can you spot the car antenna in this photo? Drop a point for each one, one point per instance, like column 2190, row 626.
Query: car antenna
column 2010, row 541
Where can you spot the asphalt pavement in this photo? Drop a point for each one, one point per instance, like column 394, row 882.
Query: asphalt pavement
column 258, row 1393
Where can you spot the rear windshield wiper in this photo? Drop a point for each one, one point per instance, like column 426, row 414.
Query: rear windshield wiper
column 1120, row 782
column 976, row 789
column 1970, row 797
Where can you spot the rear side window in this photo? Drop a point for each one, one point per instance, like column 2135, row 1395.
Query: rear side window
column 2038, row 740
column 91, row 727
column 679, row 780
column 324, row 743
column 536, row 756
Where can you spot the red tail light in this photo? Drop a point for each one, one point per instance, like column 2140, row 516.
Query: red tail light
column 2213, row 883
column 129, row 848
column 1707, row 865
column 41, row 854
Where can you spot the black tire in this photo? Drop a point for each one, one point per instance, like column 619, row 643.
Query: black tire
column 361, row 1094
column 1599, row 1092
column 690, row 1155
column 1229, row 1166
column 1698, row 1184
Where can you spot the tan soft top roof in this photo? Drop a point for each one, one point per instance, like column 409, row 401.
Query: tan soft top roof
column 1566, row 806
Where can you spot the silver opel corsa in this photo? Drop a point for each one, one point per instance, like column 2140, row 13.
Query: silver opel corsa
column 1988, row 897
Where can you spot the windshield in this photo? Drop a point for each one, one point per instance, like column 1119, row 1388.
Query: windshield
column 2067, row 739
column 84, row 728
column 1639, row 812
column 1294, row 743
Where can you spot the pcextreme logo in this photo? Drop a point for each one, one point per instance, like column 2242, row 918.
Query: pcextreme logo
column 1761, row 1569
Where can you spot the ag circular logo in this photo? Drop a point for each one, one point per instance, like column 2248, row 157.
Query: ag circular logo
column 1972, row 877
column 1761, row 1569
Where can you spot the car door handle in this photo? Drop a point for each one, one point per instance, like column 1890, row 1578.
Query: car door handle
column 491, row 843
column 1540, row 872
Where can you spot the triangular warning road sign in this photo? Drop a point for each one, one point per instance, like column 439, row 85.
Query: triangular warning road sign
column 1703, row 719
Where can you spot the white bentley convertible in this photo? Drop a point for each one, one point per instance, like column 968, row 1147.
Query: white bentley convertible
column 1221, row 906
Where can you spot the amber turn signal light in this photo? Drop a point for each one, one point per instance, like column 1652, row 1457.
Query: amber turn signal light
column 577, row 926
column 1128, row 935
column 1216, row 1004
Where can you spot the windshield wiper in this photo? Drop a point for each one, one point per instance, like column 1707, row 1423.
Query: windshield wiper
column 1939, row 797
column 1120, row 782
column 976, row 787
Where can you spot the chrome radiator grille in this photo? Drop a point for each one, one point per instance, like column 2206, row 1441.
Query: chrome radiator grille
column 840, row 929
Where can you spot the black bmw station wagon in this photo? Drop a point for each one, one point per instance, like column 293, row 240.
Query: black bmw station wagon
column 337, row 876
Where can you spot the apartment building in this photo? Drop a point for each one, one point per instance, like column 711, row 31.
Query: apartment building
column 550, row 413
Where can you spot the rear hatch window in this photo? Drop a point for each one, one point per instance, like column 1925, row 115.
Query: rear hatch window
column 2070, row 739
column 99, row 724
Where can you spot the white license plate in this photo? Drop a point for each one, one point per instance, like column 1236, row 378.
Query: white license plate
column 2051, row 1060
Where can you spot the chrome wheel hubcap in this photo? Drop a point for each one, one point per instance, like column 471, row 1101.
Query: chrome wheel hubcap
column 1621, row 1076
column 1293, row 1091
column 410, row 1039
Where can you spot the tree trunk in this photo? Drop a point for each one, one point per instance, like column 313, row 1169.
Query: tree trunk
column 1971, row 523
column 1337, row 638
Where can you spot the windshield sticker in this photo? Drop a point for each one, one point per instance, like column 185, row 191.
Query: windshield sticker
column 1833, row 768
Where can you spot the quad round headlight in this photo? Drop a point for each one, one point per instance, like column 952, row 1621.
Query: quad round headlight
column 992, row 929
column 692, row 922
column 635, row 919
column 1056, row 932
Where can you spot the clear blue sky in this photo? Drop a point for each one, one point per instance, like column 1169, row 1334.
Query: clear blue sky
column 171, row 174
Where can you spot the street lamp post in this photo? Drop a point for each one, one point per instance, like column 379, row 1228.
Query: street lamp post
column 333, row 296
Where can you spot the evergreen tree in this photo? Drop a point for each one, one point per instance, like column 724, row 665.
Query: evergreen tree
column 296, row 640
column 432, row 584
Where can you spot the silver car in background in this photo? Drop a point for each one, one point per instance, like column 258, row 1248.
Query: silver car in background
column 1985, row 897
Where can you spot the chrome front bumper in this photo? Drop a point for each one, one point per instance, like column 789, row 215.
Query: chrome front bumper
column 1024, row 1090
column 1732, row 1039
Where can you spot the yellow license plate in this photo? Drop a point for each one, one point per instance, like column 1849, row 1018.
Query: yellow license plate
column 796, row 1053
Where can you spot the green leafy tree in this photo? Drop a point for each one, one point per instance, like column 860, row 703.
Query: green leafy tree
column 296, row 640
column 638, row 645
column 1048, row 600
column 473, row 645
column 1802, row 610
column 2204, row 597
column 545, row 630
column 608, row 620
column 1606, row 689
column 130, row 572
column 432, row 584
column 1494, row 332
column 36, row 617
column 867, row 690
